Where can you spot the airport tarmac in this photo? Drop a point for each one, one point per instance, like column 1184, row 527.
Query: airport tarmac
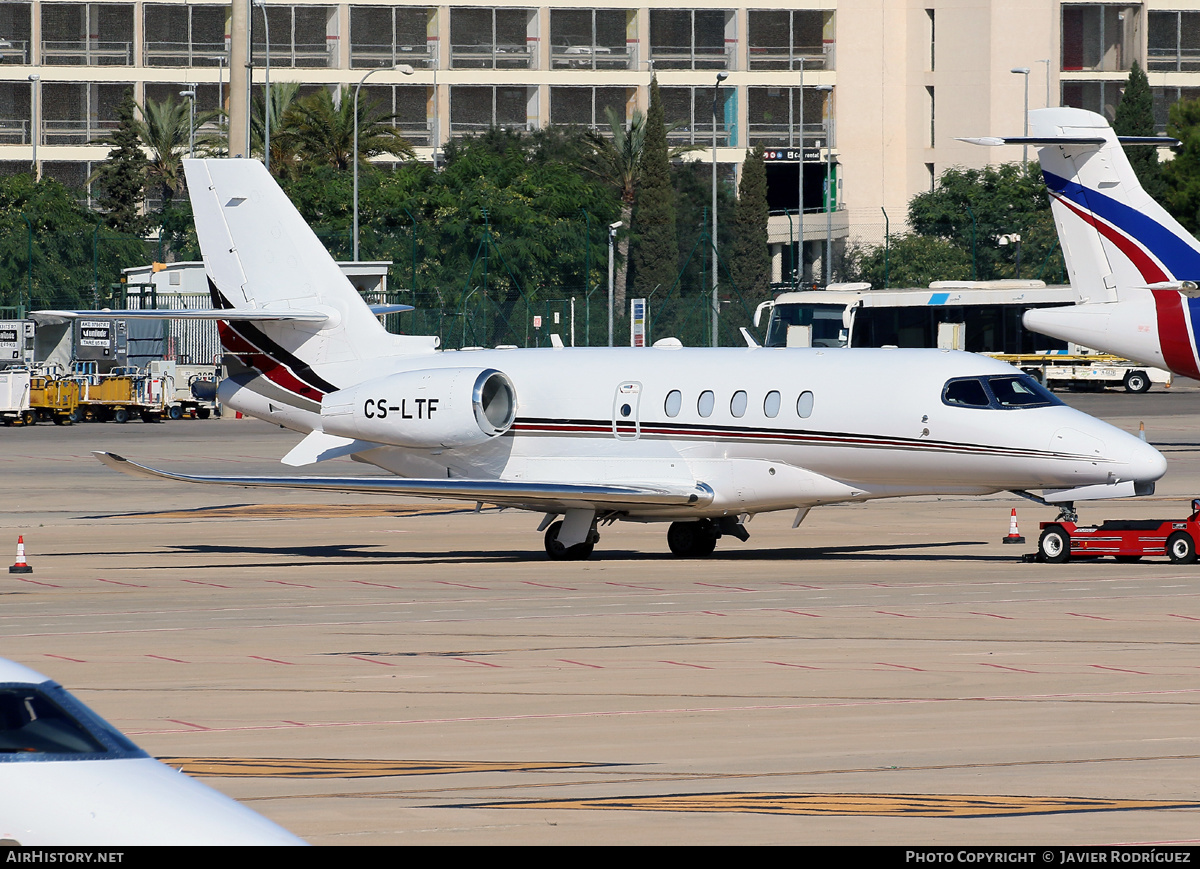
column 370, row 671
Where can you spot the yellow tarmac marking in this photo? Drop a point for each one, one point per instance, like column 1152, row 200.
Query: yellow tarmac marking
column 315, row 767
column 296, row 511
column 886, row 805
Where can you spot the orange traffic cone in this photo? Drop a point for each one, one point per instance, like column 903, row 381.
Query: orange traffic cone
column 20, row 566
column 1014, row 536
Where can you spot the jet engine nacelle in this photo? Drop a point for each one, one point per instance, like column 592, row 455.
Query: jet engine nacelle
column 439, row 407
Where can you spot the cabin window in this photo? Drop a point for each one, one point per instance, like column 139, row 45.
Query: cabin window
column 771, row 404
column 673, row 403
column 804, row 405
column 706, row 403
column 999, row 392
column 737, row 405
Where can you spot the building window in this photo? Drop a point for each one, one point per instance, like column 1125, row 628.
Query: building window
column 493, row 38
column 931, row 13
column 592, row 39
column 301, row 36
column 408, row 105
column 15, row 21
column 1100, row 97
column 87, row 34
column 476, row 109
column 932, row 116
column 1100, row 38
column 76, row 114
column 587, row 107
column 1173, row 42
column 184, row 35
column 390, row 36
column 689, row 115
column 14, row 112
column 774, row 116
column 692, row 38
column 1166, row 97
column 787, row 39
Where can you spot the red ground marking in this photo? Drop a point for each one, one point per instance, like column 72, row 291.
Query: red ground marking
column 712, row 613
column 172, row 660
column 899, row 666
column 733, row 587
column 682, row 664
column 65, row 658
column 580, row 664
column 799, row 613
column 373, row 661
column 35, row 582
column 213, row 584
column 1118, row 669
column 798, row 666
column 188, row 724
column 990, row 615
column 1178, row 616
column 115, row 582
column 544, row 585
column 462, row 585
column 272, row 660
column 628, row 585
column 898, row 615
column 1086, row 616
column 378, row 584
column 1013, row 669
column 296, row 584
column 480, row 663
column 801, row 585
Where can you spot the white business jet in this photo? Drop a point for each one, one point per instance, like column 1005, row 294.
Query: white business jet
column 68, row 777
column 701, row 438
column 1134, row 267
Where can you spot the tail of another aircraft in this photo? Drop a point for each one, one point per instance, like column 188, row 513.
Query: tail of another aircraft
column 294, row 319
column 1131, row 263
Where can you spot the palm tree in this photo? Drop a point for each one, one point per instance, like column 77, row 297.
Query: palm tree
column 322, row 133
column 284, row 159
column 164, row 129
column 620, row 160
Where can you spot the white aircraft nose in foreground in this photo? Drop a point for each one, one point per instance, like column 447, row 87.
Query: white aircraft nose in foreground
column 67, row 777
column 701, row 438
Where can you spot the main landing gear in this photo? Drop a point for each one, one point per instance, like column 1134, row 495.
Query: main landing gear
column 694, row 539
column 558, row 552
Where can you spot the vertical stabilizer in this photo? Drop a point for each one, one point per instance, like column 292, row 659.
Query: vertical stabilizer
column 1114, row 235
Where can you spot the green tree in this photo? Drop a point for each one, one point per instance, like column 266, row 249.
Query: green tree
column 1182, row 174
column 284, row 158
column 619, row 163
column 750, row 261
column 1135, row 117
column 656, row 246
column 122, row 178
column 910, row 261
column 321, row 133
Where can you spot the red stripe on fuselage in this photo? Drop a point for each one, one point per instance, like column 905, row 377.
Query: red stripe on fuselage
column 1173, row 336
column 1149, row 269
column 268, row 366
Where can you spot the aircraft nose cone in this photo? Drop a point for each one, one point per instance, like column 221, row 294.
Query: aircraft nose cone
column 1139, row 461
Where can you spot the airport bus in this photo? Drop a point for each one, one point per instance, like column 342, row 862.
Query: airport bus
column 976, row 316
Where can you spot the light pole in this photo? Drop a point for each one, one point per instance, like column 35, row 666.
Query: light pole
column 261, row 4
column 407, row 70
column 716, row 305
column 34, row 86
column 800, row 190
column 826, row 266
column 1014, row 239
column 1024, row 70
column 612, row 237
column 437, row 130
column 220, row 59
column 190, row 93
column 1047, row 62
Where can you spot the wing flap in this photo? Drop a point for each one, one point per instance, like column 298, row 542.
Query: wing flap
column 533, row 495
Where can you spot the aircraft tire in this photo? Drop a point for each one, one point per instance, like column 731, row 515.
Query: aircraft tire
column 558, row 552
column 1137, row 381
column 692, row 539
column 1054, row 546
column 1181, row 548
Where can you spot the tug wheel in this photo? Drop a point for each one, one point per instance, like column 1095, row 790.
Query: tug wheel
column 1054, row 546
column 1181, row 548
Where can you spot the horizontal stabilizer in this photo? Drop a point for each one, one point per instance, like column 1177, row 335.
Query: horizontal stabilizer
column 545, row 496
column 1094, row 141
column 190, row 314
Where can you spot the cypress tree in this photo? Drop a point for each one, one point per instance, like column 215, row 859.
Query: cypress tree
column 1135, row 117
column 122, row 178
column 656, row 248
column 750, row 263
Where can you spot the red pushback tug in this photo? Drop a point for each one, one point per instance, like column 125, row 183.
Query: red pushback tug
column 1124, row 539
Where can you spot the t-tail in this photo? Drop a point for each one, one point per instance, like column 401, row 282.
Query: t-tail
column 1132, row 264
column 297, row 329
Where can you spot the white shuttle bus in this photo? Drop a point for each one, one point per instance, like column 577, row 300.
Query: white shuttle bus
column 976, row 316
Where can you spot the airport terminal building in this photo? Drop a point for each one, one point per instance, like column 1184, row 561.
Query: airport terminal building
column 872, row 92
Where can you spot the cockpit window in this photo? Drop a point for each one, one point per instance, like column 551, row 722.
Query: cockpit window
column 1001, row 391
column 966, row 393
column 1020, row 390
column 44, row 722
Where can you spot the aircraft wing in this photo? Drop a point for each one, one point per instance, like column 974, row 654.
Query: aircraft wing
column 544, row 496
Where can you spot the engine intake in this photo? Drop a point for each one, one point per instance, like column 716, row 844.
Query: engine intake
column 430, row 409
